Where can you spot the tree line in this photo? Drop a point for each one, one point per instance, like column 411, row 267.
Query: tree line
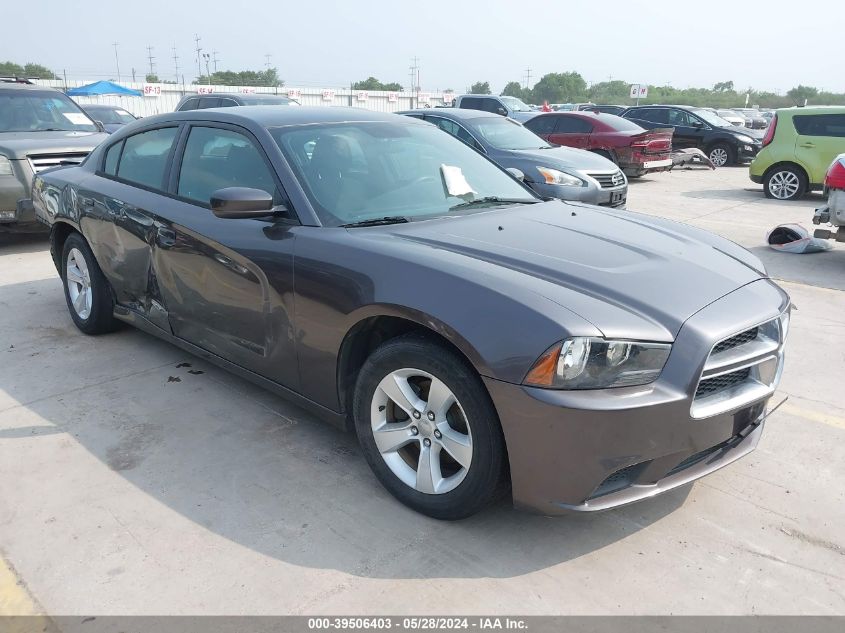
column 571, row 87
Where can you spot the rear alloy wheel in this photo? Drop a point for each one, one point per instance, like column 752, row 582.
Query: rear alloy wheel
column 785, row 183
column 721, row 155
column 87, row 293
column 428, row 429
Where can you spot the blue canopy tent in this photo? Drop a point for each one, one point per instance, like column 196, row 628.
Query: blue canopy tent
column 102, row 88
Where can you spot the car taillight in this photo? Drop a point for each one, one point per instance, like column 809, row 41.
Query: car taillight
column 835, row 178
column 770, row 131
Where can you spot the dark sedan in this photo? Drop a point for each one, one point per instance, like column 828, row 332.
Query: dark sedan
column 555, row 172
column 724, row 144
column 390, row 278
column 112, row 117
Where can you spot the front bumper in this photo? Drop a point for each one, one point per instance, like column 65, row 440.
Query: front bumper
column 16, row 210
column 590, row 450
column 591, row 194
column 747, row 152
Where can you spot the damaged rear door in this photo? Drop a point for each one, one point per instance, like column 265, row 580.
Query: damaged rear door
column 119, row 217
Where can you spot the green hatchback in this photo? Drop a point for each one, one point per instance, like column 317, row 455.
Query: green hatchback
column 799, row 145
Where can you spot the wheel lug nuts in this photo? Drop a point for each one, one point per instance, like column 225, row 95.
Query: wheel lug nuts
column 431, row 415
column 427, row 442
column 438, row 434
column 416, row 415
column 415, row 430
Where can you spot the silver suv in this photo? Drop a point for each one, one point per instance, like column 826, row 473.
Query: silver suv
column 39, row 128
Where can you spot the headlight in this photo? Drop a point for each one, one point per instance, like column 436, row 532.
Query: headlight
column 5, row 166
column 594, row 363
column 555, row 177
column 744, row 139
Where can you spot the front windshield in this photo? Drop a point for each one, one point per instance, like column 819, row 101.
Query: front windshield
column 356, row 171
column 503, row 133
column 516, row 105
column 713, row 119
column 36, row 111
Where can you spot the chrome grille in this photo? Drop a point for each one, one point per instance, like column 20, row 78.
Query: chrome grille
column 609, row 180
column 40, row 162
column 741, row 368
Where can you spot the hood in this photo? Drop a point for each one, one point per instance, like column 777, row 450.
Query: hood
column 747, row 131
column 564, row 158
column 629, row 275
column 19, row 144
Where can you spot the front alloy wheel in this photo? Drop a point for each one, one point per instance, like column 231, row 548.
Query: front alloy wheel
column 719, row 156
column 421, row 431
column 428, row 428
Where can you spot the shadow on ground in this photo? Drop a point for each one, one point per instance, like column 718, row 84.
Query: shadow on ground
column 251, row 467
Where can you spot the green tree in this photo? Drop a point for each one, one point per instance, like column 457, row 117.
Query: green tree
column 611, row 92
column 371, row 83
column 560, row 88
column 513, row 89
column 480, row 88
column 724, row 86
column 152, row 79
column 269, row 78
column 36, row 71
column 800, row 94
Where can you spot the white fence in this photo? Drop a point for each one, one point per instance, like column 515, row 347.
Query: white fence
column 160, row 98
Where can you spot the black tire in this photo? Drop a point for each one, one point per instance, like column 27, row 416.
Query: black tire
column 729, row 153
column 100, row 318
column 785, row 182
column 485, row 479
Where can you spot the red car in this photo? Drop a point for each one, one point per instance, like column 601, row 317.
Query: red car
column 636, row 150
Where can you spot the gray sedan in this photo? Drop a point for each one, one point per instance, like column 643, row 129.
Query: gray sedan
column 553, row 172
column 396, row 282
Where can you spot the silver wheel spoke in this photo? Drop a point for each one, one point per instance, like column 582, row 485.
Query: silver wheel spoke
column 74, row 275
column 428, row 469
column 391, row 436
column 440, row 398
column 456, row 444
column 399, row 390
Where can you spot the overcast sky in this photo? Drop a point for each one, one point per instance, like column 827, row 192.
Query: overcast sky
column 765, row 44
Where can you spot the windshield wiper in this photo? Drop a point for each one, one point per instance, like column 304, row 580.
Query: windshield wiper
column 395, row 219
column 493, row 200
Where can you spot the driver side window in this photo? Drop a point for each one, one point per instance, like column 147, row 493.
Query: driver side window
column 455, row 130
column 216, row 158
column 680, row 118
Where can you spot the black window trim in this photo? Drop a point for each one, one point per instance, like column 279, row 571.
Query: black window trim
column 179, row 154
column 100, row 171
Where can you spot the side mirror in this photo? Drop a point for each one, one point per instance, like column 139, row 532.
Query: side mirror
column 502, row 111
column 241, row 202
column 516, row 173
column 697, row 124
column 100, row 126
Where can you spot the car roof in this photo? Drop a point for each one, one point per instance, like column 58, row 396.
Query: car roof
column 455, row 113
column 812, row 110
column 13, row 85
column 275, row 117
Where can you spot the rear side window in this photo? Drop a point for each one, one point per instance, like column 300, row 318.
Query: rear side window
column 572, row 125
column 144, row 157
column 112, row 156
column 471, row 103
column 820, row 124
column 208, row 102
column 190, row 104
column 655, row 115
column 543, row 124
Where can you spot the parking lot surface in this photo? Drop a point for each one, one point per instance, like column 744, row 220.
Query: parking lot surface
column 137, row 479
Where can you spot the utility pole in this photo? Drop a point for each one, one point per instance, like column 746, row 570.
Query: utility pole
column 133, row 75
column 267, row 57
column 415, row 79
column 151, row 58
column 176, row 62
column 527, row 78
column 207, row 57
column 214, row 60
column 116, row 61
column 199, row 50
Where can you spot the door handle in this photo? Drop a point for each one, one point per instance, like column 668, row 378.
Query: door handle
column 165, row 237
column 808, row 144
